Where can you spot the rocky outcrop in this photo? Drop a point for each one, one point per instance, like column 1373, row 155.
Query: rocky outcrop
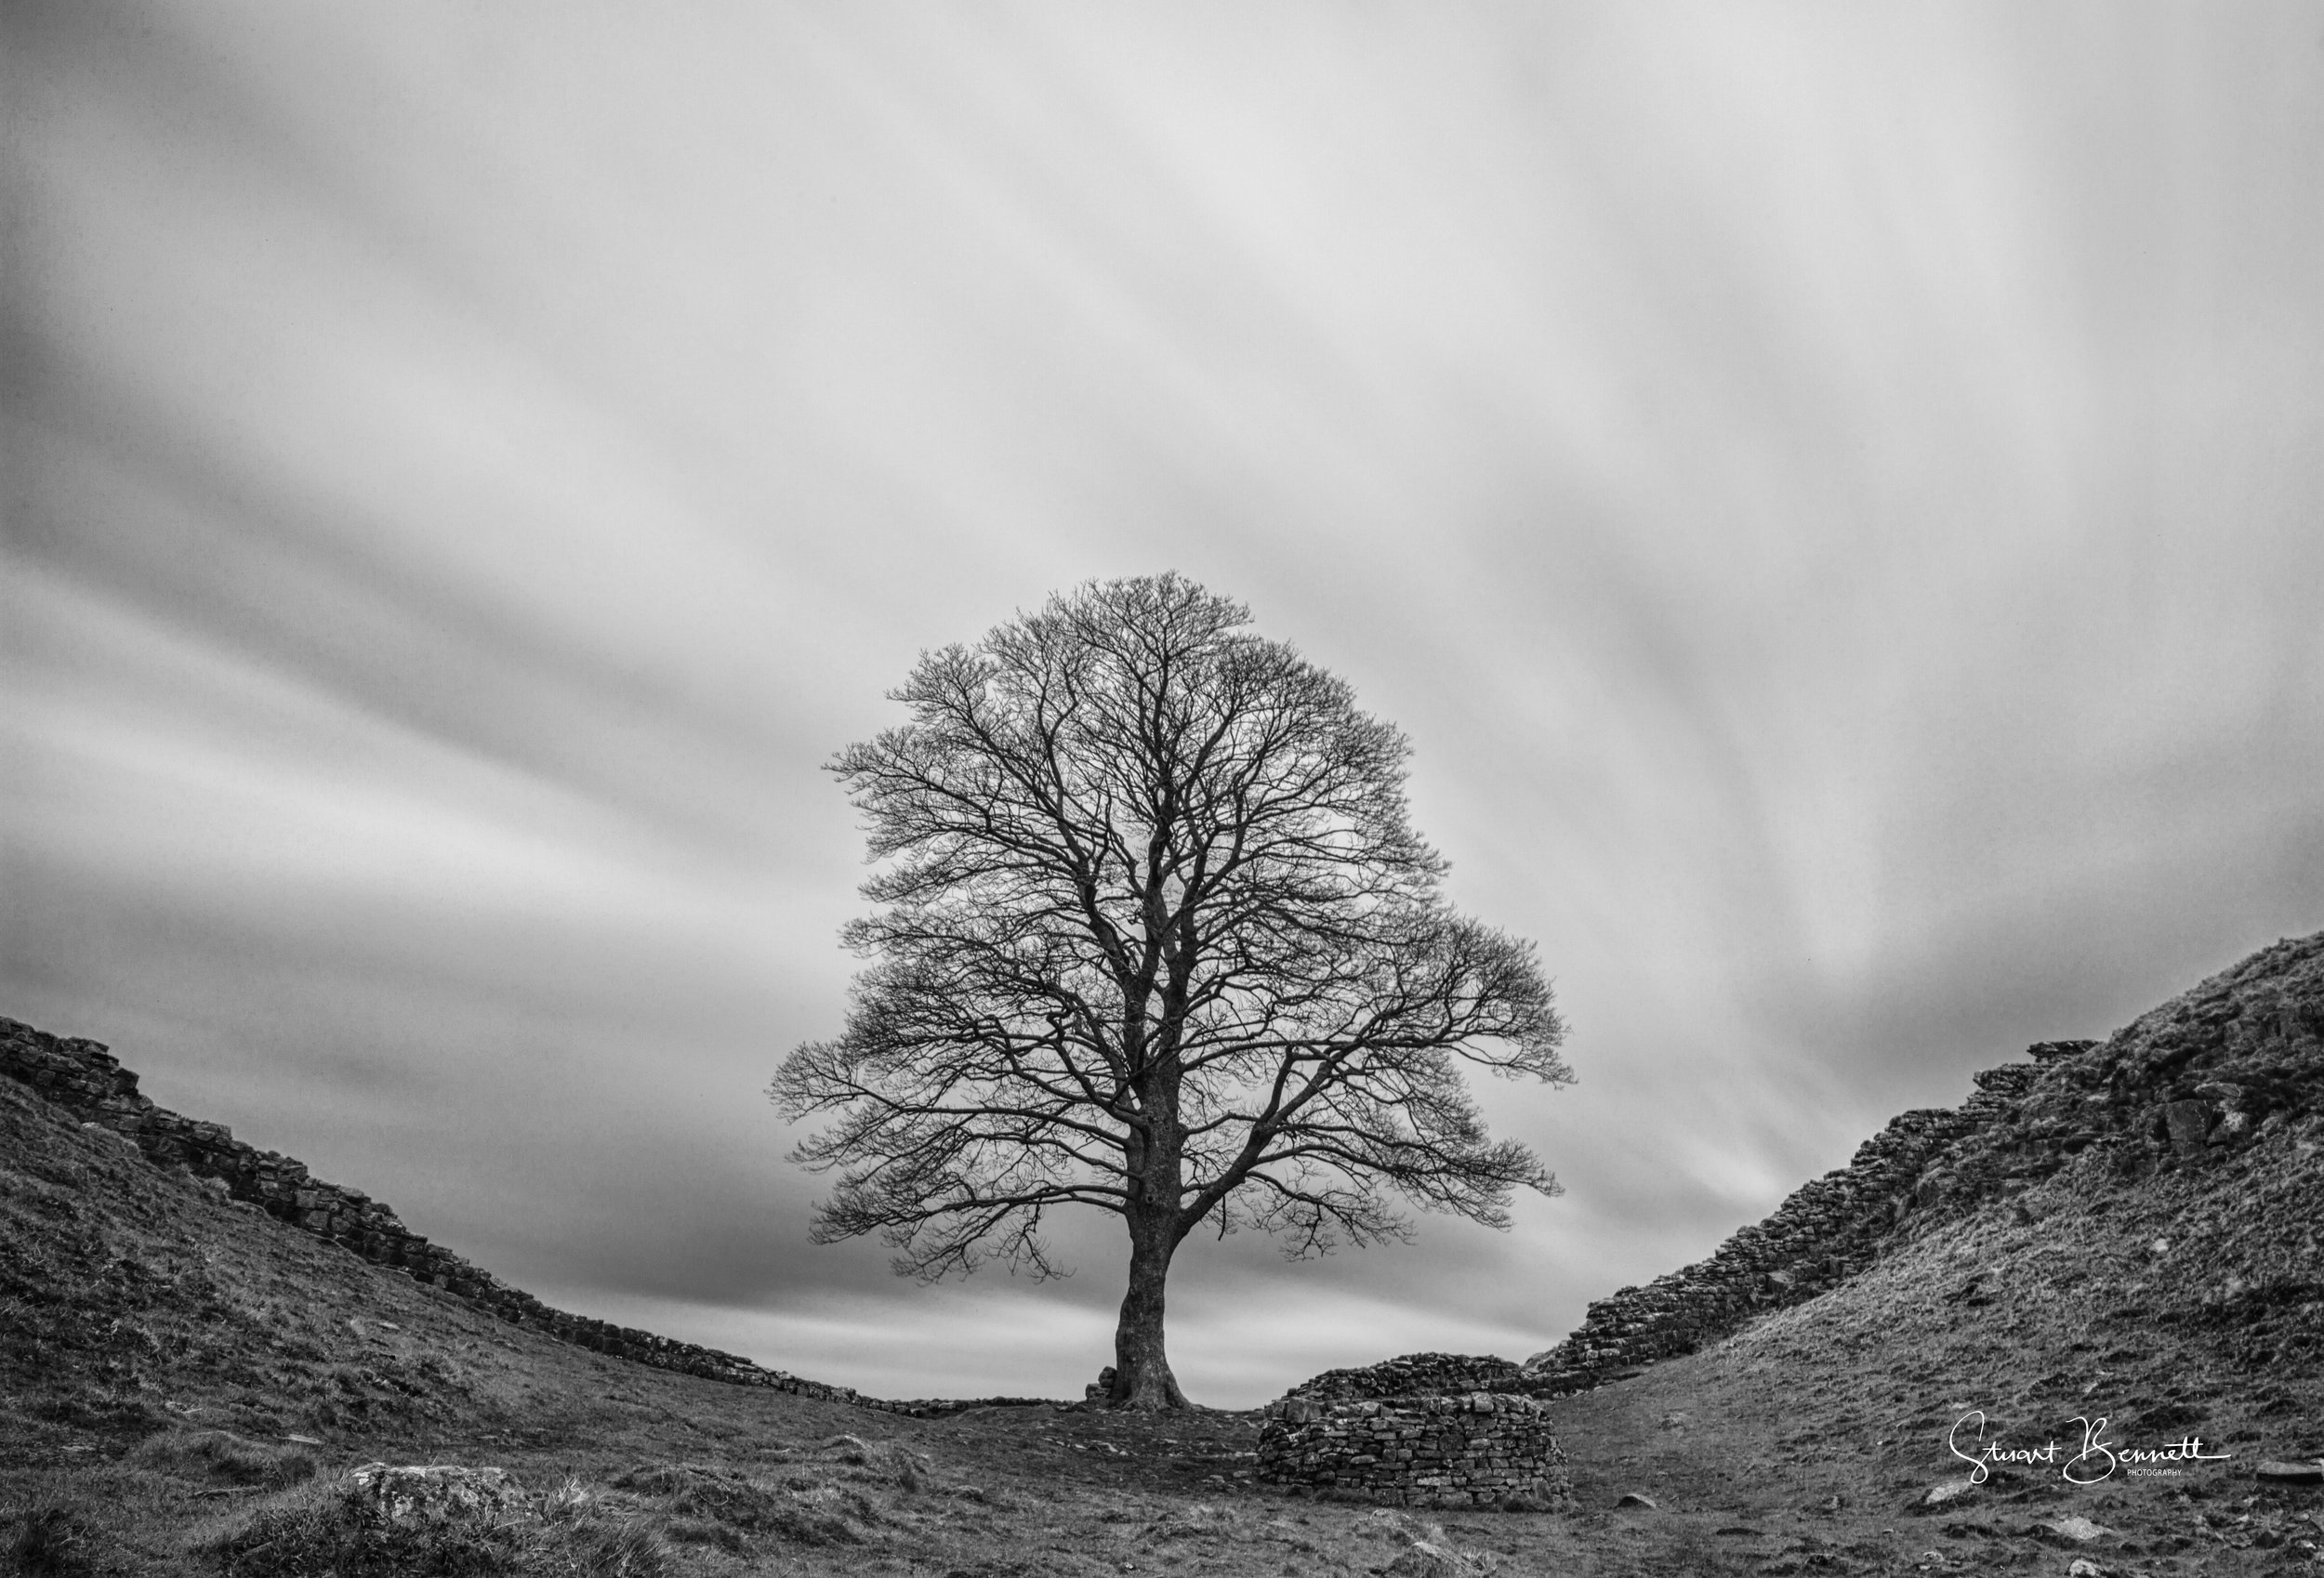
column 2185, row 1085
column 1472, row 1450
column 87, row 1080
column 2181, row 1086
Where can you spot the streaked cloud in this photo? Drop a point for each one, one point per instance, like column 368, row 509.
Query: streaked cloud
column 1830, row 493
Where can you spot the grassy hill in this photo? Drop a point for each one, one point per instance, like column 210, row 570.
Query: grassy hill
column 185, row 1382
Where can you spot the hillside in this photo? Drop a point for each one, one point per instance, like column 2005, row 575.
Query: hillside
column 173, row 1361
column 2122, row 1230
column 2211, row 1082
column 186, row 1381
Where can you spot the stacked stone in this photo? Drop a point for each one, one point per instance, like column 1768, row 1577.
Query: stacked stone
column 943, row 1407
column 1414, row 1374
column 1472, row 1450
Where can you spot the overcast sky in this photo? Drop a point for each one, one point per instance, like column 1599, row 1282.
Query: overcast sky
column 1834, row 494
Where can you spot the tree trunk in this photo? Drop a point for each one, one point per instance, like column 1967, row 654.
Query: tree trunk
column 1141, row 1370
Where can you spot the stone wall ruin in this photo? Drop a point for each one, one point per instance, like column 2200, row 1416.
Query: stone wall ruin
column 1480, row 1450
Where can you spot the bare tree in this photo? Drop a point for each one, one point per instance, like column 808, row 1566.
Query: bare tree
column 1155, row 935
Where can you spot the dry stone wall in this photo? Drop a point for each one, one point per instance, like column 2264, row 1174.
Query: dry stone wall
column 87, row 1080
column 1472, row 1450
column 1828, row 1231
column 1415, row 1375
column 2181, row 1087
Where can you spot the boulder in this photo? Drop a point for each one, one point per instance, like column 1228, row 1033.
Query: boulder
column 437, row 1491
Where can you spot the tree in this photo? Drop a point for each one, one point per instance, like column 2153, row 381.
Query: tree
column 1155, row 936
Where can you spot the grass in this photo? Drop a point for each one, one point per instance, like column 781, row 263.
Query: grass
column 160, row 1346
column 223, row 1459
column 51, row 1539
column 336, row 1528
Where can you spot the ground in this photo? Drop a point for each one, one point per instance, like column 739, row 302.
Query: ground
column 182, row 1379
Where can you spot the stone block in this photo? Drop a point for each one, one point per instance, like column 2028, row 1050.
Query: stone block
column 2188, row 1125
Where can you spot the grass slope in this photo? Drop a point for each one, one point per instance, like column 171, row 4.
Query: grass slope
column 1826, row 1423
column 161, row 1346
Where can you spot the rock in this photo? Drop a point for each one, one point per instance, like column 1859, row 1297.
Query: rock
column 2189, row 1126
column 2293, row 1473
column 1951, row 1491
column 1426, row 1559
column 1428, row 1552
column 437, row 1491
column 2050, row 1051
column 2077, row 1528
column 1637, row 1499
column 2085, row 1567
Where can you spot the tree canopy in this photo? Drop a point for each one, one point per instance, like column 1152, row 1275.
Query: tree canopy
column 1154, row 933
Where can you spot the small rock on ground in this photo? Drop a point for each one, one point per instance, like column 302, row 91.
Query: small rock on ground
column 2293, row 1473
column 1426, row 1559
column 2077, row 1527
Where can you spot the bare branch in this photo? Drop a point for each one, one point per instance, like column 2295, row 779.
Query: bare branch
column 1152, row 933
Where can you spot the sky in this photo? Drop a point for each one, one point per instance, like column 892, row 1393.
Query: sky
column 1833, row 493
